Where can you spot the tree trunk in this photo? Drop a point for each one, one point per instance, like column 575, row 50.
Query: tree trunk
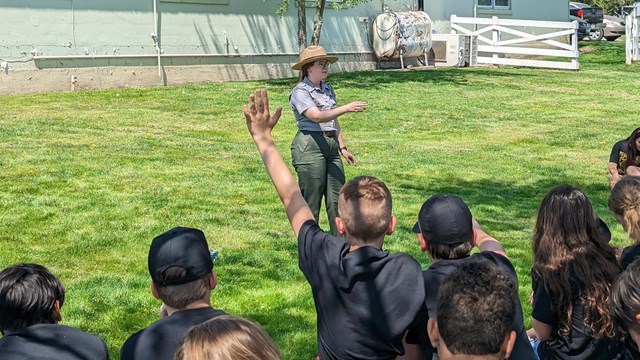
column 302, row 25
column 317, row 22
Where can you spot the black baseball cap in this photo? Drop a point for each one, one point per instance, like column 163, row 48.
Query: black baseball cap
column 179, row 247
column 445, row 219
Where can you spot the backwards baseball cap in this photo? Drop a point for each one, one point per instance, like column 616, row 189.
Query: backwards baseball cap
column 445, row 219
column 181, row 247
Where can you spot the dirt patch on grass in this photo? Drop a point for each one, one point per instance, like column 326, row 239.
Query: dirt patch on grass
column 588, row 49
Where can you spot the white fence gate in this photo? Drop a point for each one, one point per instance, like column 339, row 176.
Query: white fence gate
column 525, row 48
column 632, row 32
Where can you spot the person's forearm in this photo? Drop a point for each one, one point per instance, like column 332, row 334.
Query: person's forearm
column 543, row 331
column 613, row 168
column 321, row 116
column 485, row 242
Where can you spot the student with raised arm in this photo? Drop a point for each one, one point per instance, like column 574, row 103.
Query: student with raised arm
column 367, row 299
column 447, row 233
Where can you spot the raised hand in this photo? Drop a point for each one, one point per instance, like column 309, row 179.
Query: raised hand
column 256, row 113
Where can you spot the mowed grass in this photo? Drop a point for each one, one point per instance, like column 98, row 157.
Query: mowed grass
column 89, row 178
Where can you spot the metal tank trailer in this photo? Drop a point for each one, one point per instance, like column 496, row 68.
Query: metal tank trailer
column 401, row 34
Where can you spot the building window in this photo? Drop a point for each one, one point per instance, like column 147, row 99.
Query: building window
column 495, row 4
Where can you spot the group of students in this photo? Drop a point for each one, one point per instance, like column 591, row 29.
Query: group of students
column 370, row 303
column 182, row 277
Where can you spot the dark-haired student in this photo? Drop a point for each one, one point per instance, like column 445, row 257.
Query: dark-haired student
column 475, row 310
column 625, row 158
column 573, row 270
column 447, row 233
column 30, row 302
column 625, row 307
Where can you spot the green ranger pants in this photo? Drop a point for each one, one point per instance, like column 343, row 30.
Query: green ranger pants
column 316, row 159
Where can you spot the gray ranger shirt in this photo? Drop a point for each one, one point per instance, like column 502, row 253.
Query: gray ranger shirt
column 305, row 95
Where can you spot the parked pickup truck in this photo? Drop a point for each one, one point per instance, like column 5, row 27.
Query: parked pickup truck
column 593, row 15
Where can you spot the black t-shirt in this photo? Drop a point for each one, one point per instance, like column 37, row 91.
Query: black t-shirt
column 160, row 340
column 366, row 299
column 632, row 350
column 52, row 342
column 578, row 344
column 619, row 156
column 629, row 254
column 436, row 273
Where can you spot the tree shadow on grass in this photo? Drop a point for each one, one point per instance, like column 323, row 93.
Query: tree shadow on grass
column 506, row 200
column 381, row 79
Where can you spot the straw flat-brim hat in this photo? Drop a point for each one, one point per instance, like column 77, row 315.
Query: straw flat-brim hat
column 311, row 54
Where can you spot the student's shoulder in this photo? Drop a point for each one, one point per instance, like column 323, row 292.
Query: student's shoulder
column 500, row 260
column 629, row 254
column 405, row 262
column 620, row 145
column 53, row 341
column 311, row 231
column 128, row 347
column 78, row 334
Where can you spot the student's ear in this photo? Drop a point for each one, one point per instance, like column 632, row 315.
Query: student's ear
column 213, row 280
column 432, row 331
column 423, row 242
column 475, row 236
column 507, row 345
column 392, row 225
column 340, row 226
column 154, row 290
column 55, row 314
column 638, row 318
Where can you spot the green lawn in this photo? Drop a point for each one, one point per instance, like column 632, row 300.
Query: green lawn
column 89, row 178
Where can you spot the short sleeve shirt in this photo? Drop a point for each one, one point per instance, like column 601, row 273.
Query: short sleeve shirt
column 578, row 344
column 629, row 254
column 435, row 274
column 161, row 339
column 366, row 299
column 306, row 95
column 619, row 156
column 52, row 342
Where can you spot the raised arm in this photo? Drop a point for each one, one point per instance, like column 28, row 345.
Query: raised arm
column 260, row 123
column 485, row 242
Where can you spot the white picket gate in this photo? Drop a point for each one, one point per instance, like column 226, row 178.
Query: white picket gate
column 632, row 33
column 528, row 48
